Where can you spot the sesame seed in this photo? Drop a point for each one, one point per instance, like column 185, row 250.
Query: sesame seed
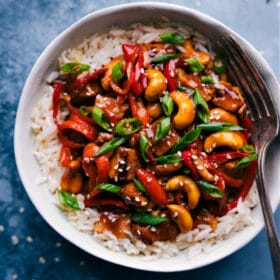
column 168, row 143
column 116, row 167
column 127, row 168
column 149, row 179
column 29, row 239
column 42, row 260
column 137, row 199
column 15, row 239
column 120, row 170
column 194, row 157
column 175, row 214
column 153, row 229
column 199, row 167
column 181, row 184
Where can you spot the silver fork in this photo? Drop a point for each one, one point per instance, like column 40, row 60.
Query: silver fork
column 264, row 115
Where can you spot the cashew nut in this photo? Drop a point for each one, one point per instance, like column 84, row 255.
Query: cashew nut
column 156, row 84
column 230, row 139
column 71, row 181
column 202, row 170
column 181, row 216
column 203, row 57
column 221, row 115
column 186, row 110
column 187, row 185
column 105, row 81
column 154, row 110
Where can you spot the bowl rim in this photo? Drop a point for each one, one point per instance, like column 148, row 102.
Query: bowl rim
column 261, row 63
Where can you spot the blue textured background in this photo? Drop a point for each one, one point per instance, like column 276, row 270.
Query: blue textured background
column 29, row 248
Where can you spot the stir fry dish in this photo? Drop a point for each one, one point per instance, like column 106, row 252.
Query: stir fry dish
column 157, row 140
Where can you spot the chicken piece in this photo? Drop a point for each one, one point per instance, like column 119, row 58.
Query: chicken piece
column 163, row 170
column 206, row 218
column 118, row 225
column 161, row 232
column 102, row 138
column 123, row 164
column 229, row 98
column 132, row 196
column 164, row 145
column 193, row 81
column 110, row 103
column 85, row 95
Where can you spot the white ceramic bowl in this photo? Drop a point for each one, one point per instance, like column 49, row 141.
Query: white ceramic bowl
column 101, row 21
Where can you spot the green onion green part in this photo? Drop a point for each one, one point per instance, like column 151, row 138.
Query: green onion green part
column 167, row 105
column 186, row 140
column 207, row 80
column 74, row 67
column 220, row 62
column 108, row 188
column 139, row 186
column 144, row 145
column 84, row 110
column 165, row 57
column 195, row 66
column 210, row 189
column 99, row 117
column 67, row 200
column 219, row 126
column 162, row 129
column 168, row 159
column 117, row 72
column 128, row 126
column 147, row 219
column 202, row 109
column 244, row 162
column 110, row 146
column 172, row 38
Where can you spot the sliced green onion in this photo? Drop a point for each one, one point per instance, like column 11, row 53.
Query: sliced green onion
column 196, row 67
column 108, row 188
column 168, row 159
column 249, row 149
column 165, row 57
column 84, row 110
column 74, row 67
column 186, row 140
column 123, row 128
column 207, row 80
column 172, row 38
column 220, row 62
column 167, row 105
column 144, row 145
column 219, row 126
column 182, row 88
column 117, row 72
column 186, row 171
column 147, row 219
column 139, row 186
column 67, row 200
column 210, row 189
column 99, row 117
column 110, row 146
column 162, row 129
column 202, row 109
column 244, row 162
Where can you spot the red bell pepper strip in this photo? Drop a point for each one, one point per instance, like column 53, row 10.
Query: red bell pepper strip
column 90, row 164
column 65, row 157
column 128, row 51
column 57, row 91
column 152, row 186
column 76, row 124
column 223, row 157
column 187, row 158
column 138, row 109
column 170, row 73
column 105, row 202
column 81, row 82
column 75, row 111
column 250, row 177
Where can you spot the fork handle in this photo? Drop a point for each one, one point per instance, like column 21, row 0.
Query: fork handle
column 274, row 243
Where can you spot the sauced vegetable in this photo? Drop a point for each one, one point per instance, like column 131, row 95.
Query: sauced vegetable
column 154, row 171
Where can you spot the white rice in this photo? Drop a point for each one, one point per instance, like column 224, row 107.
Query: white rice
column 96, row 51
